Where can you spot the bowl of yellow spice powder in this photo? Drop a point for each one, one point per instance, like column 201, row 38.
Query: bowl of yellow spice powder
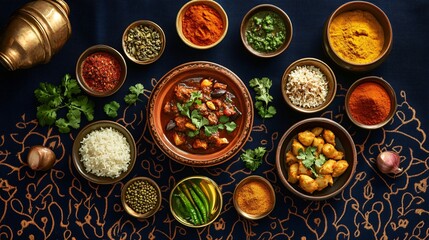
column 254, row 197
column 202, row 24
column 358, row 36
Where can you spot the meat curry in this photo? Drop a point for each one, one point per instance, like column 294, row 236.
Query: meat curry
column 200, row 115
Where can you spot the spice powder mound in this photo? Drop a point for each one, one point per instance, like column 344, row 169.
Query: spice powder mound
column 202, row 25
column 101, row 71
column 254, row 198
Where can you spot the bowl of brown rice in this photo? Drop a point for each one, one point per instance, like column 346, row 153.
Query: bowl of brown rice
column 104, row 152
column 308, row 85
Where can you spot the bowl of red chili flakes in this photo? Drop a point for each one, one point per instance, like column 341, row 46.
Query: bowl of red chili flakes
column 101, row 70
column 200, row 114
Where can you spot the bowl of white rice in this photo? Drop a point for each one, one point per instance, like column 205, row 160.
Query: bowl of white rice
column 104, row 152
column 308, row 85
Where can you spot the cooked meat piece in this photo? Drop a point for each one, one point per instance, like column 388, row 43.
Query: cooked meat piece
column 213, row 120
column 220, row 85
column 181, row 123
column 182, row 92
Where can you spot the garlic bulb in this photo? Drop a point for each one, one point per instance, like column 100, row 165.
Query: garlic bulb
column 40, row 158
column 388, row 162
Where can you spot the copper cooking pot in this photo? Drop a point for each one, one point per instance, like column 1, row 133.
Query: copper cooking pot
column 35, row 32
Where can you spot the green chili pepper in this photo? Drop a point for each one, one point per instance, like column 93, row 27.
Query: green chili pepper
column 203, row 198
column 188, row 205
column 199, row 204
column 180, row 209
column 187, row 193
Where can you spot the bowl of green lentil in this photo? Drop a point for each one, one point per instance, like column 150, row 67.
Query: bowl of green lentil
column 266, row 31
column 141, row 197
column 196, row 201
column 143, row 42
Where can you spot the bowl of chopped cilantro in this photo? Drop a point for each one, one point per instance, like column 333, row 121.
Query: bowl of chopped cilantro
column 316, row 158
column 266, row 30
column 200, row 114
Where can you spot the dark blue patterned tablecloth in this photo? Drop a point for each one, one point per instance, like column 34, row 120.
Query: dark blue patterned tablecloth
column 60, row 204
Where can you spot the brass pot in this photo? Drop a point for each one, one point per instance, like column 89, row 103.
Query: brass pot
column 35, row 32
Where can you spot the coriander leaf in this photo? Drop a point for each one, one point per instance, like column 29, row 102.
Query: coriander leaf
column 183, row 109
column 85, row 105
column 73, row 117
column 309, row 159
column 230, row 126
column 133, row 96
column 46, row 115
column 70, row 86
column 223, row 119
column 62, row 125
column 320, row 160
column 253, row 158
column 210, row 130
column 48, row 94
column 137, row 89
column 111, row 109
column 193, row 133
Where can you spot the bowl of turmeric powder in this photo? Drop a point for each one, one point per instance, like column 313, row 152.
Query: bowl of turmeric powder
column 358, row 36
column 254, row 197
column 371, row 102
column 202, row 24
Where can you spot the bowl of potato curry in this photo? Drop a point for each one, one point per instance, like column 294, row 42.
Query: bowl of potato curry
column 316, row 158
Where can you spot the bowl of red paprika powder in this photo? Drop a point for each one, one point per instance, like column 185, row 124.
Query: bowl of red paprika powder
column 101, row 70
column 202, row 24
column 370, row 102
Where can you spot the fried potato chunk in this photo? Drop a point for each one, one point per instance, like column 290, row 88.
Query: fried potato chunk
column 339, row 168
column 307, row 183
column 306, row 138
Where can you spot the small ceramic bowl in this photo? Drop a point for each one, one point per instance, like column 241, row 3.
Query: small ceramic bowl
column 119, row 60
column 131, row 40
column 204, row 188
column 150, row 186
column 158, row 119
column 324, row 69
column 381, row 18
column 261, row 182
column 260, row 9
column 76, row 156
column 344, row 143
column 390, row 92
column 212, row 4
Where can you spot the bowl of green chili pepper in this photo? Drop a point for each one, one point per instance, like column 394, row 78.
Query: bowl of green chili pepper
column 196, row 201
column 141, row 197
column 266, row 31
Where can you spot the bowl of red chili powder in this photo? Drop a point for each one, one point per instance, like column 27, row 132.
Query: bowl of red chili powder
column 371, row 102
column 101, row 70
column 202, row 24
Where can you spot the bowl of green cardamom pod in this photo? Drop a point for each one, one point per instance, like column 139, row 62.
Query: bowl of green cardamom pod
column 141, row 197
column 196, row 201
column 143, row 42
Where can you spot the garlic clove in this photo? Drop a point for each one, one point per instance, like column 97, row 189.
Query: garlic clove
column 388, row 162
column 40, row 158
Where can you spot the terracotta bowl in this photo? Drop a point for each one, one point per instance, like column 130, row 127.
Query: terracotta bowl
column 164, row 89
column 76, row 157
column 213, row 195
column 156, row 28
column 382, row 19
column 129, row 208
column 95, row 49
column 330, row 78
column 281, row 14
column 213, row 4
column 390, row 91
column 344, row 143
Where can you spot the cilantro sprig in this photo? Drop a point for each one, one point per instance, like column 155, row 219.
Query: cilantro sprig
column 64, row 96
column 253, row 158
column 310, row 160
column 263, row 98
column 135, row 92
